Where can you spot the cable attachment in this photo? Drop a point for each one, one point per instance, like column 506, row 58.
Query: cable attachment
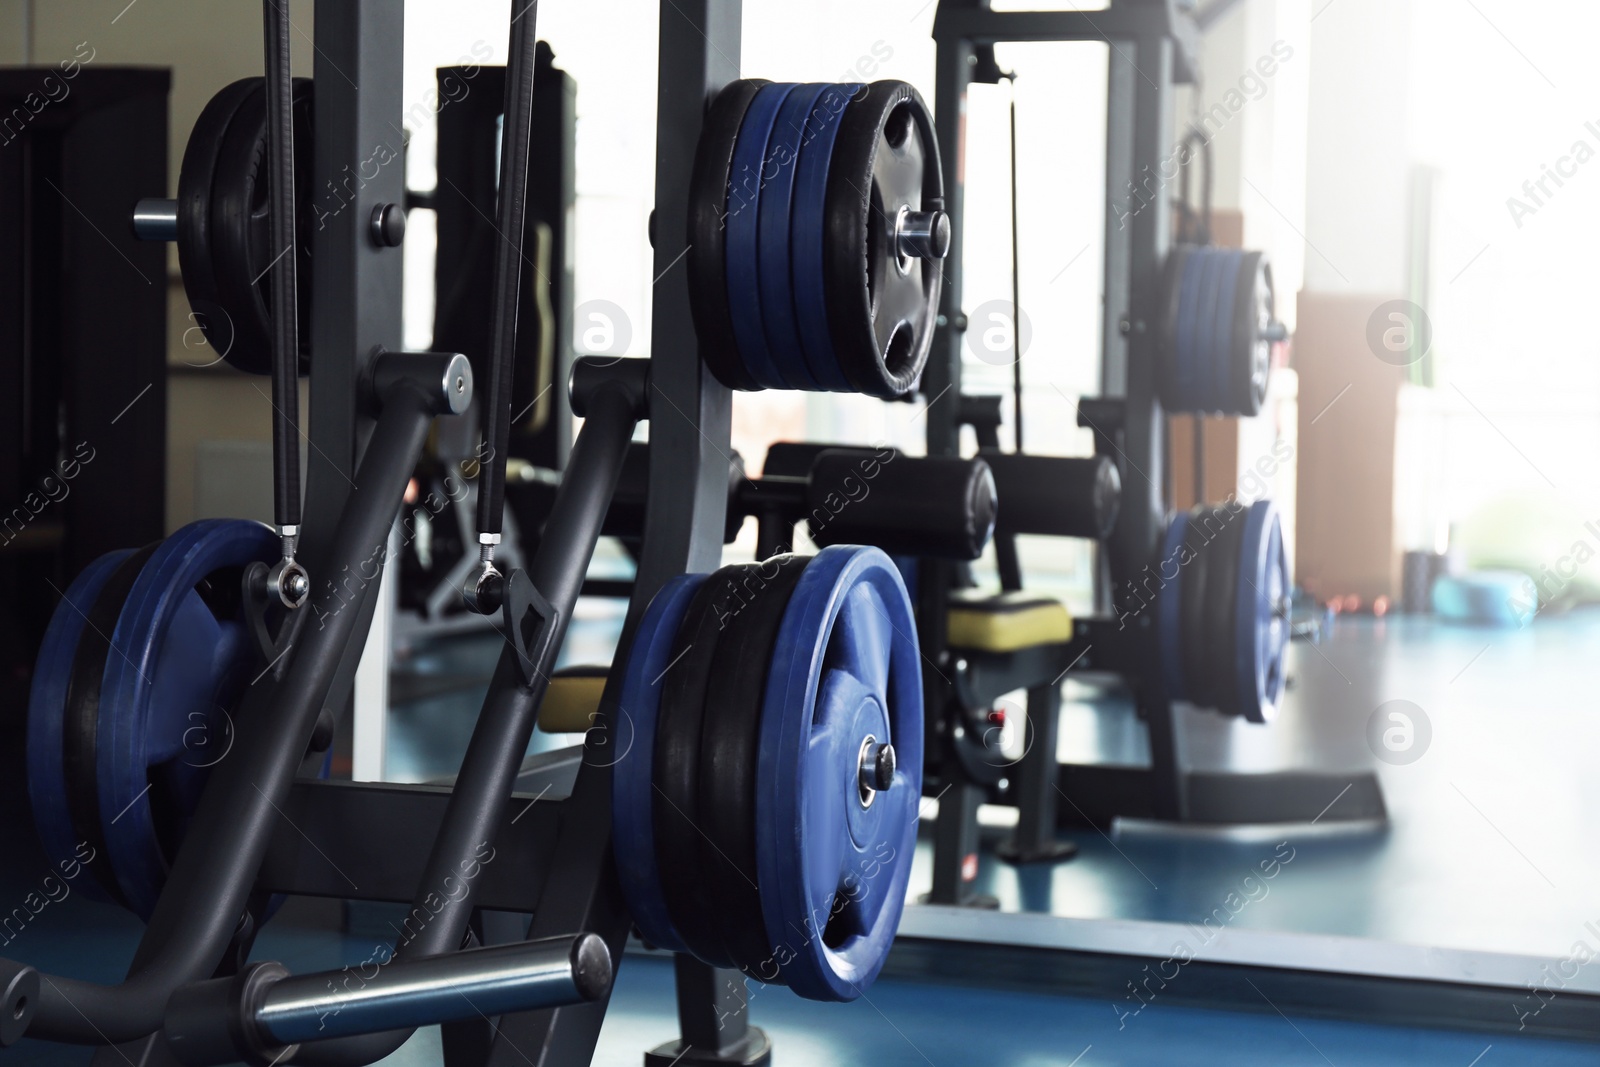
column 488, row 591
column 289, row 579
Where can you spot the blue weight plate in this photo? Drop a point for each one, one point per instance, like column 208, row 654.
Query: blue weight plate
column 775, row 257
column 48, row 793
column 1206, row 358
column 633, row 840
column 1225, row 355
column 747, row 180
column 808, row 236
column 832, row 867
column 1187, row 335
column 1262, row 616
column 180, row 656
column 1169, row 615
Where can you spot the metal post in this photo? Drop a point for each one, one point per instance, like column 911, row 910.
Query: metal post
column 690, row 417
column 1142, row 90
column 358, row 285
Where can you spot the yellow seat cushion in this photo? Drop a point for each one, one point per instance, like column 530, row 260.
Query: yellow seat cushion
column 984, row 622
column 571, row 701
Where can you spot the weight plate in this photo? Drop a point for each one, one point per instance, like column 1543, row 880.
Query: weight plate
column 1210, row 362
column 1177, row 368
column 775, row 256
column 180, row 655
column 1191, row 349
column 747, row 186
column 1226, row 355
column 196, row 177
column 808, row 235
column 1262, row 616
column 1198, row 534
column 676, row 772
column 633, row 838
column 49, row 794
column 1253, row 313
column 1169, row 601
column 1220, row 653
column 882, row 306
column 241, row 242
column 81, row 720
column 729, row 744
column 834, row 862
column 708, row 214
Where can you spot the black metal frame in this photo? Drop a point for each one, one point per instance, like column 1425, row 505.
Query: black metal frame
column 370, row 415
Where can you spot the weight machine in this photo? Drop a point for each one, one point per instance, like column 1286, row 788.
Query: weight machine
column 267, row 624
column 1160, row 353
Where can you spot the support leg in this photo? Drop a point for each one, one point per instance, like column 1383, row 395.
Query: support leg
column 955, row 849
column 1036, row 790
column 713, row 1021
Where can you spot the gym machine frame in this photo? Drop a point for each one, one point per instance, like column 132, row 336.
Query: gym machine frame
column 261, row 831
column 1152, row 48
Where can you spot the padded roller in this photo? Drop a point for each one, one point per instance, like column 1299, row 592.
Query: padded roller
column 939, row 507
column 1056, row 496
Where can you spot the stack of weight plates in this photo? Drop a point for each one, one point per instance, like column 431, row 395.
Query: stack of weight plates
column 798, row 275
column 765, row 811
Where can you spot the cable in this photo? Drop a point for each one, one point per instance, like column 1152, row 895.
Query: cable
column 288, row 579
column 1016, row 269
column 510, row 220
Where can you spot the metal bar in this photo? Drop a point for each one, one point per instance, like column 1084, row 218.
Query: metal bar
column 1125, row 20
column 955, row 845
column 358, row 166
column 366, row 841
column 1035, row 836
column 155, row 219
column 1143, row 515
column 461, row 985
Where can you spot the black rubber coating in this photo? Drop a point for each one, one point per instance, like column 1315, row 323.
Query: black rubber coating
column 511, row 219
column 1171, row 397
column 937, row 507
column 81, row 715
column 239, row 241
column 1221, row 653
column 676, row 770
column 1191, row 605
column 729, row 749
column 1056, row 496
column 196, row 177
column 708, row 210
column 284, row 316
column 886, row 154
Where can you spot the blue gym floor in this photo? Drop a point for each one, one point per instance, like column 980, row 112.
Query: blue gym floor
column 1489, row 851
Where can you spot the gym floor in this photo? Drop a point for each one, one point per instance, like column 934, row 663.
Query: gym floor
column 1477, row 857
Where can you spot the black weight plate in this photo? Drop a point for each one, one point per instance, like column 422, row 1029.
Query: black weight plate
column 1222, row 645
column 241, row 231
column 81, row 715
column 708, row 213
column 676, row 772
column 881, row 309
column 1191, row 603
column 729, row 747
column 195, row 180
column 1174, row 374
column 1253, row 313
